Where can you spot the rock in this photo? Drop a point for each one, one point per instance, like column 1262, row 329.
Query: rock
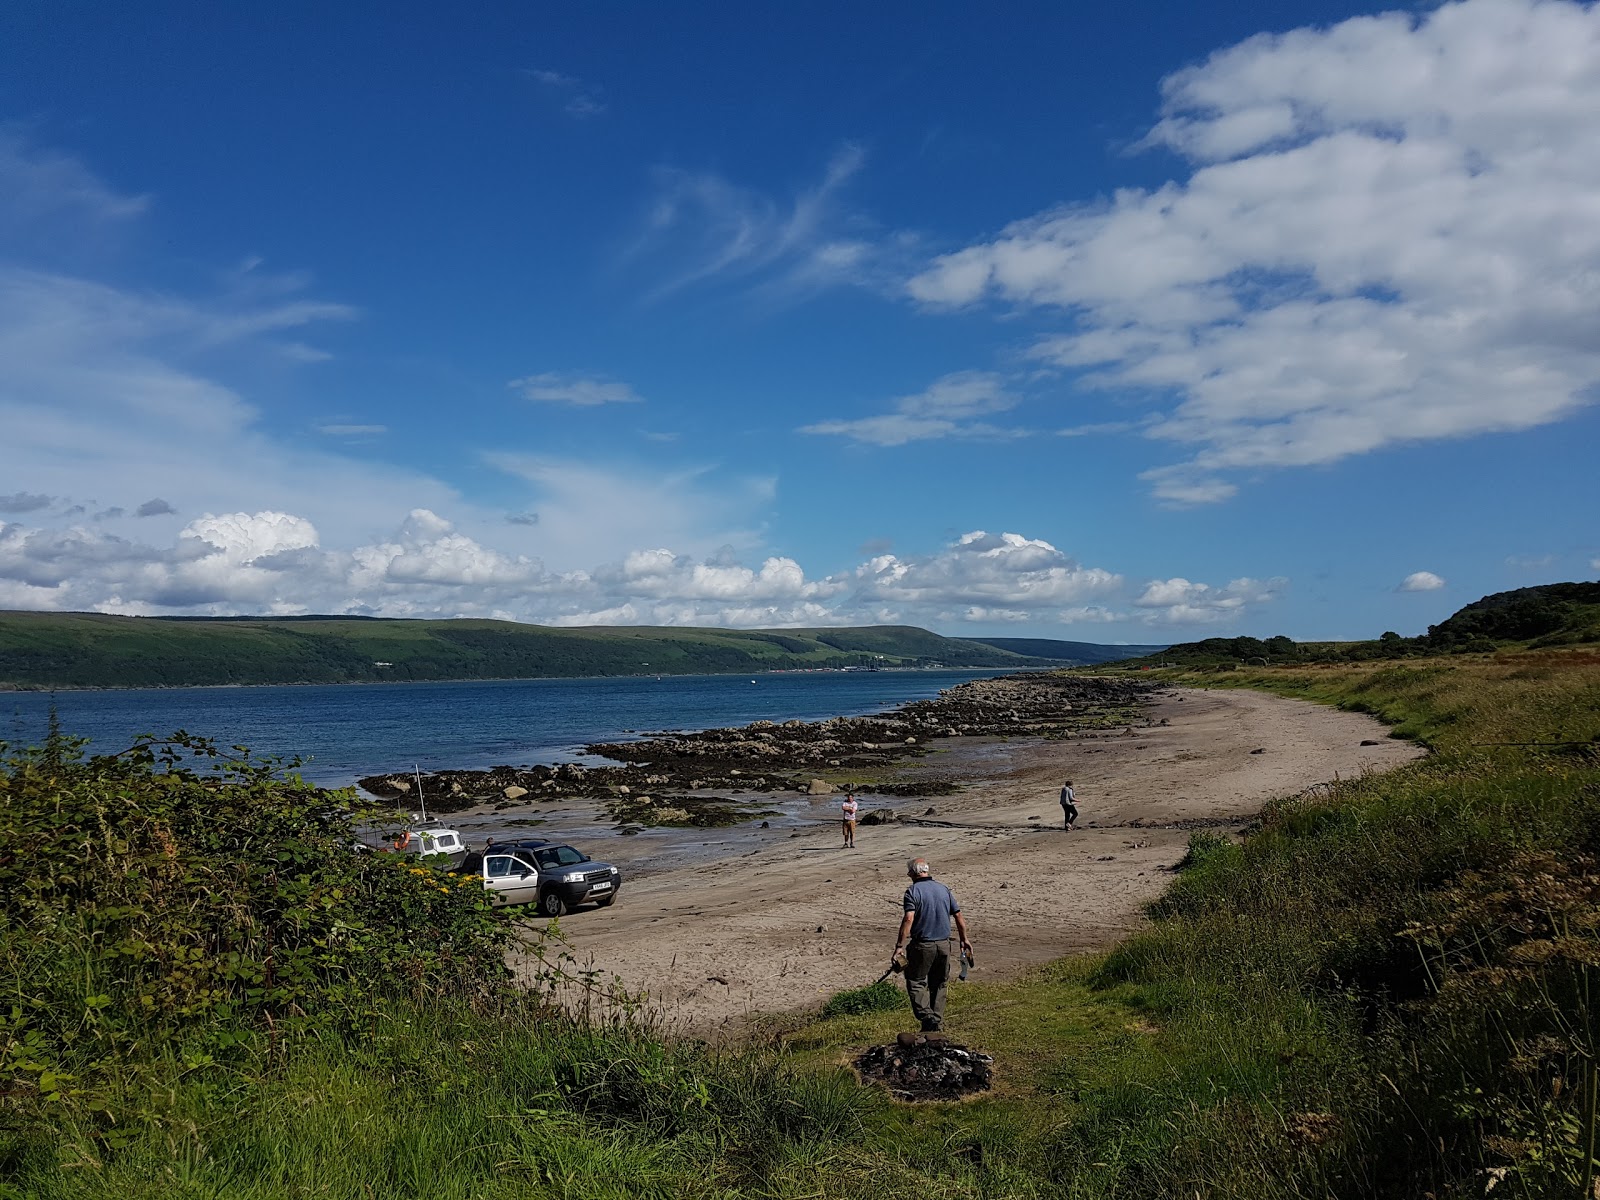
column 1260, row 750
column 1370, row 742
column 623, row 789
column 766, row 824
column 666, row 814
column 513, row 792
column 911, row 741
column 880, row 816
column 819, row 787
column 931, row 812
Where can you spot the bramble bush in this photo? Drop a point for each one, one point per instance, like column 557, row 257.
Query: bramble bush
column 177, row 896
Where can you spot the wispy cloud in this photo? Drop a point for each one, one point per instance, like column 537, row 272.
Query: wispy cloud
column 703, row 229
column 946, row 409
column 156, row 507
column 577, row 98
column 352, row 430
column 580, row 391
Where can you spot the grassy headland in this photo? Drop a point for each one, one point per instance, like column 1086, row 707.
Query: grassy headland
column 1387, row 989
column 58, row 650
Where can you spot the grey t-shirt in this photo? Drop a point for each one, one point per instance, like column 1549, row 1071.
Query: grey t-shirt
column 933, row 903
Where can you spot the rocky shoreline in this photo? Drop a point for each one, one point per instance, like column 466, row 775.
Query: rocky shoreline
column 720, row 776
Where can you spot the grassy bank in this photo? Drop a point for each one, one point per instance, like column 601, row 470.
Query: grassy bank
column 1385, row 990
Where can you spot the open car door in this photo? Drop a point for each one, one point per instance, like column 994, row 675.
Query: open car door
column 509, row 879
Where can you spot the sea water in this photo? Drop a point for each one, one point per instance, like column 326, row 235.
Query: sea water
column 342, row 732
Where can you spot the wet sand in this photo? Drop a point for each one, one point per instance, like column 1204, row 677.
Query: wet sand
column 743, row 921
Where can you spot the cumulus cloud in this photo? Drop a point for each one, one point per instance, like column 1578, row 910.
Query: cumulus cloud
column 577, row 390
column 980, row 570
column 944, row 410
column 278, row 563
column 1179, row 602
column 1386, row 235
column 1421, row 581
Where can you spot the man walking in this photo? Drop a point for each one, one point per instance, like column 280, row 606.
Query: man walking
column 1069, row 805
column 924, row 939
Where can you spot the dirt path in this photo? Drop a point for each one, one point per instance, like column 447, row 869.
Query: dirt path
column 784, row 926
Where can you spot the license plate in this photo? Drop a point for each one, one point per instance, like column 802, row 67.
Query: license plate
column 600, row 887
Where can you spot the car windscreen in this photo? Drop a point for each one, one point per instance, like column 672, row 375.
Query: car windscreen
column 566, row 856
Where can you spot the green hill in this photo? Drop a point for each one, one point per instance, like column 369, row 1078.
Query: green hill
column 1070, row 654
column 1552, row 614
column 40, row 650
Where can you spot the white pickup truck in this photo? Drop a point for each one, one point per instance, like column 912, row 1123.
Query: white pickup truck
column 553, row 878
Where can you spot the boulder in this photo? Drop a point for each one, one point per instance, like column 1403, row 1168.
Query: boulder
column 880, row 816
column 513, row 792
column 819, row 787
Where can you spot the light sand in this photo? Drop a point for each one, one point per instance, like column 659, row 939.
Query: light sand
column 784, row 926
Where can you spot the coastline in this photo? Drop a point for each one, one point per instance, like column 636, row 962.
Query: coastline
column 49, row 688
column 768, row 921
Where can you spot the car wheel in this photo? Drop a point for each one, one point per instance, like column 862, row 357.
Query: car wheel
column 606, row 902
column 550, row 904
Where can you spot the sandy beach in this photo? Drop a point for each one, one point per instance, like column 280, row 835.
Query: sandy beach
column 785, row 924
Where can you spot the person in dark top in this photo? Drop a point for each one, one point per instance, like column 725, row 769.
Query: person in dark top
column 924, row 941
column 1069, row 805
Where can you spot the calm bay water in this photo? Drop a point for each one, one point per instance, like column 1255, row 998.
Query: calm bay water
column 345, row 731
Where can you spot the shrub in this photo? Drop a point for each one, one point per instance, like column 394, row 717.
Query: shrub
column 144, row 902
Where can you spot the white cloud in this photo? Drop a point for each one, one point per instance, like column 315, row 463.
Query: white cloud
column 704, row 229
column 1388, row 235
column 577, row 390
column 1177, row 601
column 944, row 410
column 39, row 186
column 980, row 570
column 278, row 562
column 352, row 430
column 1421, row 581
column 592, row 512
column 577, row 98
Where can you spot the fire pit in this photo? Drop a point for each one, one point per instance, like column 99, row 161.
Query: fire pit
column 926, row 1067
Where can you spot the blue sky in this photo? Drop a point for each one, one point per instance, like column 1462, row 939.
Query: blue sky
column 1121, row 323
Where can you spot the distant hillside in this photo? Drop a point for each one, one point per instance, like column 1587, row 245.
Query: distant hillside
column 1553, row 614
column 39, row 650
column 1070, row 654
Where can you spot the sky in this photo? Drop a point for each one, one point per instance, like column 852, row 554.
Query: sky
column 1117, row 323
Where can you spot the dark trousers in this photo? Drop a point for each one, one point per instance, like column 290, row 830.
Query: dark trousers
column 927, row 969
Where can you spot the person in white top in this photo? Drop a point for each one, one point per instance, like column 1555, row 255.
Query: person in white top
column 849, row 810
